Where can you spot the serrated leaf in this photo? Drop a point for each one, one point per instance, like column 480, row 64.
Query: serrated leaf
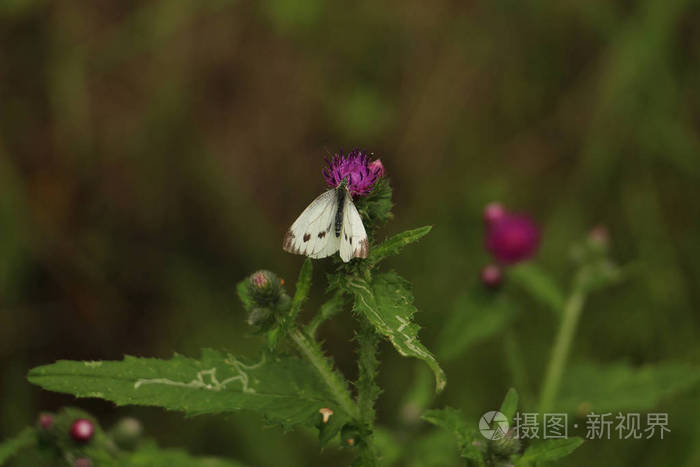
column 286, row 390
column 388, row 304
column 395, row 244
column 549, row 450
column 539, row 285
column 620, row 386
column 151, row 455
column 10, row 447
column 510, row 404
column 465, row 433
column 475, row 317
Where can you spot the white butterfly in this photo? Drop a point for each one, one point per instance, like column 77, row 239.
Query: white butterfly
column 330, row 223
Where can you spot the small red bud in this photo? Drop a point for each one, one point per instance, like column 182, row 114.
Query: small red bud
column 493, row 212
column 82, row 462
column 45, row 421
column 491, row 276
column 82, row 430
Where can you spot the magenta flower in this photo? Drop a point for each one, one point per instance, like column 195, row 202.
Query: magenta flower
column 512, row 238
column 356, row 169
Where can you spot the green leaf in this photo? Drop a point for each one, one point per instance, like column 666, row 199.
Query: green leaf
column 476, row 317
column 275, row 336
column 549, row 450
column 395, row 244
column 621, row 386
column 539, row 284
column 510, row 404
column 10, row 447
column 388, row 305
column 470, row 445
column 151, row 455
column 286, row 390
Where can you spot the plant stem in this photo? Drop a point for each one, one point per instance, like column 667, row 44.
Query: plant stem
column 367, row 363
column 367, row 389
column 560, row 350
column 337, row 384
column 516, row 365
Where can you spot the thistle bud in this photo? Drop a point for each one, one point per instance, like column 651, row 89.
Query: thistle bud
column 45, row 421
column 82, row 430
column 492, row 276
column 506, row 446
column 265, row 288
column 127, row 432
column 260, row 317
column 493, row 212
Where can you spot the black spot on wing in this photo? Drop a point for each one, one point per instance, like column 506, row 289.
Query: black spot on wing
column 321, row 234
column 307, row 236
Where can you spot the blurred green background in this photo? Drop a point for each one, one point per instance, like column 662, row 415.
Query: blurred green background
column 153, row 153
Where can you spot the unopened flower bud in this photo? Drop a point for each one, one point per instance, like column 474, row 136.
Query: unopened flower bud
column 127, row 432
column 512, row 239
column 506, row 446
column 265, row 288
column 45, row 421
column 599, row 238
column 259, row 316
column 82, row 430
column 492, row 276
column 377, row 168
column 493, row 212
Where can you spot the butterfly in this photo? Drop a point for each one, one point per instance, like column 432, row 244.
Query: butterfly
column 330, row 223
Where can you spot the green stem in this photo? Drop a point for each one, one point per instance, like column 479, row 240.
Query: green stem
column 367, row 363
column 337, row 384
column 516, row 365
column 367, row 389
column 560, row 351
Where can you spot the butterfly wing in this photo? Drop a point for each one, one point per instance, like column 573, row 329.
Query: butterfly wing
column 353, row 238
column 312, row 233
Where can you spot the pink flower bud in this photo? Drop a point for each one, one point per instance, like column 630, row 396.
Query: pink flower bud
column 45, row 421
column 82, row 430
column 491, row 276
column 493, row 212
column 377, row 167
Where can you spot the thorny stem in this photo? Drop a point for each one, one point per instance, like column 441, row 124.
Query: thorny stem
column 311, row 350
column 560, row 351
column 367, row 389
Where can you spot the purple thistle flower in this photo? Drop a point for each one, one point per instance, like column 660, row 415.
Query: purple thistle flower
column 512, row 238
column 361, row 175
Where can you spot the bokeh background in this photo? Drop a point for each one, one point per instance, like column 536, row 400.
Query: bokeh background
column 153, row 153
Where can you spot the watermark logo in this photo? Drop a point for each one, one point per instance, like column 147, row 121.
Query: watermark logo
column 493, row 425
